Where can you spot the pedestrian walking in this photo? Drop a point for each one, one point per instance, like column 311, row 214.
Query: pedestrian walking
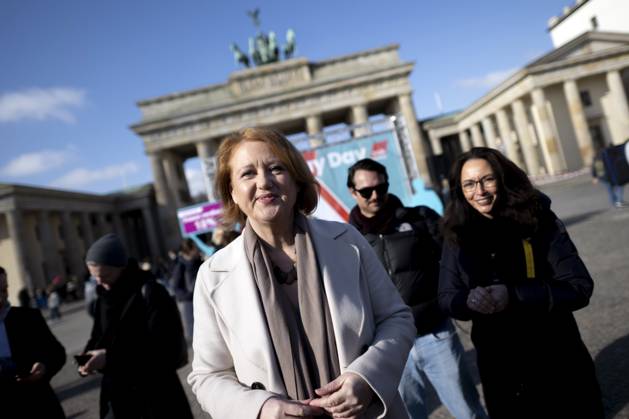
column 408, row 243
column 54, row 304
column 509, row 266
column 604, row 171
column 136, row 341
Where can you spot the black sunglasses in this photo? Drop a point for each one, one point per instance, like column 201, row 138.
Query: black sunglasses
column 380, row 189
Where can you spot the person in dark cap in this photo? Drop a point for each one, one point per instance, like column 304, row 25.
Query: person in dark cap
column 136, row 340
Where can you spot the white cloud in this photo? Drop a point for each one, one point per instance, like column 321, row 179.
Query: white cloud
column 196, row 184
column 41, row 104
column 486, row 81
column 81, row 177
column 37, row 162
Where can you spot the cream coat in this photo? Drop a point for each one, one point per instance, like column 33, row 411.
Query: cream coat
column 373, row 328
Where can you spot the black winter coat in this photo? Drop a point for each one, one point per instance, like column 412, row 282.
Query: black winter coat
column 142, row 335
column 410, row 253
column 531, row 358
column 31, row 341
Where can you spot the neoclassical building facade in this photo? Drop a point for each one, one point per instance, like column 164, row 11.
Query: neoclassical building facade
column 46, row 232
column 552, row 115
column 295, row 96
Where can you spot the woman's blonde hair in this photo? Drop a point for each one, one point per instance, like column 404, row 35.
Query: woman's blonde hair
column 308, row 188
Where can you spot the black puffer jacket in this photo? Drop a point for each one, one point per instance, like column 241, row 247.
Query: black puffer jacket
column 410, row 249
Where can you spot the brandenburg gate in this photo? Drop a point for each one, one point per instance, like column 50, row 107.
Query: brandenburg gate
column 295, row 96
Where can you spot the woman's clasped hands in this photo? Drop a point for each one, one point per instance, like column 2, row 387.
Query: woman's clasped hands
column 348, row 396
column 488, row 300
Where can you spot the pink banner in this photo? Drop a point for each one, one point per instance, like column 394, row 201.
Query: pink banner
column 199, row 218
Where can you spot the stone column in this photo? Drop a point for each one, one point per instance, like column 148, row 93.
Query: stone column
column 205, row 156
column 163, row 194
column 620, row 106
column 165, row 203
column 359, row 116
column 464, row 139
column 88, row 233
column 415, row 136
column 579, row 121
column 490, row 132
column 546, row 130
column 435, row 143
column 15, row 225
column 504, row 127
column 314, row 128
column 71, row 242
column 49, row 249
column 183, row 180
column 526, row 142
column 151, row 236
column 477, row 136
column 173, row 179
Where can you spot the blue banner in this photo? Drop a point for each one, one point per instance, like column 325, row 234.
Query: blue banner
column 329, row 164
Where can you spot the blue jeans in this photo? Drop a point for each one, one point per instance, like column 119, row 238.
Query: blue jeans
column 615, row 193
column 438, row 356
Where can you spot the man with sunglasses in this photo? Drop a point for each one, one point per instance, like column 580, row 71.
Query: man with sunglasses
column 408, row 243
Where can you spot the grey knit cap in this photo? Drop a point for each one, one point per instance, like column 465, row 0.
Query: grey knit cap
column 108, row 250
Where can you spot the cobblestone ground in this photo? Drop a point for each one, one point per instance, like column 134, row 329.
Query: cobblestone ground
column 600, row 233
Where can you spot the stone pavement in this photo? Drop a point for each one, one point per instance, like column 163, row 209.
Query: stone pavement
column 600, row 233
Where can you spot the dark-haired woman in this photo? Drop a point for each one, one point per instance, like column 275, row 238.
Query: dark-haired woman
column 509, row 266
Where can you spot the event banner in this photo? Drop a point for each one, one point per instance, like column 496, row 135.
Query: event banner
column 198, row 219
column 329, row 164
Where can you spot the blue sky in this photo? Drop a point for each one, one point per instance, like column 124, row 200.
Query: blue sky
column 71, row 71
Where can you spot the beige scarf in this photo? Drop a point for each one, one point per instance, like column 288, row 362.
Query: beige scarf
column 303, row 337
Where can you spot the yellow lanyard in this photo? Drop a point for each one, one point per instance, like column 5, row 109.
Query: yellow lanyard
column 530, row 260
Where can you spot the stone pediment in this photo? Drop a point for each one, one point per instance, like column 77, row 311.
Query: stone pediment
column 588, row 44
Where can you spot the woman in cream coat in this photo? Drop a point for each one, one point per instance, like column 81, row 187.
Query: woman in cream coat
column 348, row 333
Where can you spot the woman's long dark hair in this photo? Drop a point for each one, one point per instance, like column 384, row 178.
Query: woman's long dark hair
column 517, row 201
